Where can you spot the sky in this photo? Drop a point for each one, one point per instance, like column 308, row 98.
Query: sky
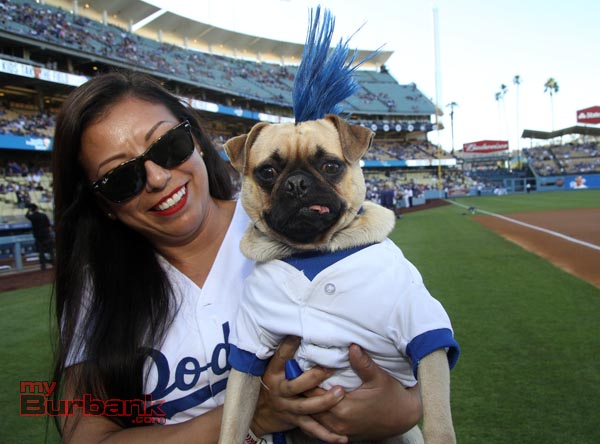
column 482, row 45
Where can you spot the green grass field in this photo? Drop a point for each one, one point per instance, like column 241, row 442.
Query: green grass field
column 25, row 347
column 525, row 328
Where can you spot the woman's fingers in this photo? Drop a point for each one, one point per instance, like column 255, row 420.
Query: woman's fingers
column 315, row 404
column 312, row 428
column 286, row 350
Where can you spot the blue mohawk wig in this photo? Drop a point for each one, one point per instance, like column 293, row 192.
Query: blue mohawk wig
column 324, row 79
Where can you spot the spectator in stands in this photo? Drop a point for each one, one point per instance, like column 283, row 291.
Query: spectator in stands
column 386, row 196
column 42, row 233
column 149, row 275
column 23, row 198
column 46, row 196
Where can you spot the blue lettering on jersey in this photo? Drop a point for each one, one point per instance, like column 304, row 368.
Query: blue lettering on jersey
column 186, row 375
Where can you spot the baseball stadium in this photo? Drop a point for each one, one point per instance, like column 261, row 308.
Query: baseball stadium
column 507, row 240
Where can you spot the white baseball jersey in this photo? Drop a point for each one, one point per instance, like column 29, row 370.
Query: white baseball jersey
column 189, row 370
column 372, row 296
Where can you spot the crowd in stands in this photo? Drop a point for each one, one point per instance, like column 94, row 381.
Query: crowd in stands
column 385, row 150
column 22, row 184
column 52, row 24
column 572, row 158
column 368, row 97
column 265, row 82
column 26, row 123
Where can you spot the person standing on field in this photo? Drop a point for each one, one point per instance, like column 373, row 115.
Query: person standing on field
column 42, row 233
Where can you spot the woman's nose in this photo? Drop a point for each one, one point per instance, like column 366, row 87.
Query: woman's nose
column 157, row 177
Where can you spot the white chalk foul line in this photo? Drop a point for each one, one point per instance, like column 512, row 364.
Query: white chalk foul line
column 533, row 227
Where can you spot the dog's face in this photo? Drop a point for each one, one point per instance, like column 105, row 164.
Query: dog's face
column 301, row 183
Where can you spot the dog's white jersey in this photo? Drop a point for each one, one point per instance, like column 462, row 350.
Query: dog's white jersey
column 371, row 296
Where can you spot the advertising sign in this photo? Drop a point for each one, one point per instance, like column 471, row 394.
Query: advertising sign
column 486, row 146
column 589, row 115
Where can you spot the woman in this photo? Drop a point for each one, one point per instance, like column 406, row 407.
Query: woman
column 148, row 276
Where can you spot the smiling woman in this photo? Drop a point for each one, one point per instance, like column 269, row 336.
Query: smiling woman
column 145, row 191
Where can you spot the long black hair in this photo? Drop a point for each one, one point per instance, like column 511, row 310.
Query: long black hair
column 113, row 299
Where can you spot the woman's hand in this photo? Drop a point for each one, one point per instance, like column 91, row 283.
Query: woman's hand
column 381, row 407
column 282, row 405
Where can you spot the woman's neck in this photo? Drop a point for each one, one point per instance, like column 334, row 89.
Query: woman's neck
column 196, row 258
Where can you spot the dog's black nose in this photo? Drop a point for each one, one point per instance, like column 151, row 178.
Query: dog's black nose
column 297, row 185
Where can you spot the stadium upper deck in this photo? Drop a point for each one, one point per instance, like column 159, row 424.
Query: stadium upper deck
column 45, row 37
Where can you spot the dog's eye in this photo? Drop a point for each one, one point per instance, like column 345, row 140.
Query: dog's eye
column 330, row 168
column 267, row 173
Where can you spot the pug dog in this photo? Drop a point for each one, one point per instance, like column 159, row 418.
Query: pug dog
column 326, row 272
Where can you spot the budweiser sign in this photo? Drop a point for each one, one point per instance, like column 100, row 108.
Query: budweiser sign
column 485, row 146
column 589, row 115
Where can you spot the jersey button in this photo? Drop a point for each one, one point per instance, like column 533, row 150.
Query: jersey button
column 329, row 288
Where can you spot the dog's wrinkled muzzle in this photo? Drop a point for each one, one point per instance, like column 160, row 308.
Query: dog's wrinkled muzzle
column 303, row 209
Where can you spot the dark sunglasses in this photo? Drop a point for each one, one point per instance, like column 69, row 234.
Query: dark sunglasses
column 128, row 179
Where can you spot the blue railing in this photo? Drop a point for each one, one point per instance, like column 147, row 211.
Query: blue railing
column 15, row 246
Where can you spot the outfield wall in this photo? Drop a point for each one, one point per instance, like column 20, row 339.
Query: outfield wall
column 519, row 185
column 572, row 182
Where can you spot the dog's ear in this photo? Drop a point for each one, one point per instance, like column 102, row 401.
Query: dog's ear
column 237, row 147
column 355, row 139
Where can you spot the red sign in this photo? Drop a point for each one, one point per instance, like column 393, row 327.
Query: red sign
column 485, row 146
column 589, row 115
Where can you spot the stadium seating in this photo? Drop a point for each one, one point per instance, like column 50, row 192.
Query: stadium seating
column 264, row 82
column 572, row 158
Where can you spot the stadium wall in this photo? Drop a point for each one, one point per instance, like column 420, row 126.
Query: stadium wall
column 28, row 143
column 519, row 185
column 570, row 182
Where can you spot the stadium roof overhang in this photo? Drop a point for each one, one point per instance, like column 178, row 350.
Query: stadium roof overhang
column 148, row 19
column 578, row 129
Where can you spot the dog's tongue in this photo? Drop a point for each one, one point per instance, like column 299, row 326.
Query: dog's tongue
column 319, row 209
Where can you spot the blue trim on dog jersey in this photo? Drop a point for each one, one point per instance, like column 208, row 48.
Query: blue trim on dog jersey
column 431, row 341
column 313, row 262
column 246, row 362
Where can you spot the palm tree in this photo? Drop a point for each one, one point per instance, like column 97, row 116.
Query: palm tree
column 517, row 82
column 452, row 105
column 551, row 87
column 500, row 97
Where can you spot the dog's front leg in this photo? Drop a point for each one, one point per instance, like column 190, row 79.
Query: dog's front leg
column 241, row 397
column 434, row 380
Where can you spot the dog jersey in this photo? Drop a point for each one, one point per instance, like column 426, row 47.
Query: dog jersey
column 372, row 296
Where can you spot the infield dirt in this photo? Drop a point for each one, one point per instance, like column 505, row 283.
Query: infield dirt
column 582, row 224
